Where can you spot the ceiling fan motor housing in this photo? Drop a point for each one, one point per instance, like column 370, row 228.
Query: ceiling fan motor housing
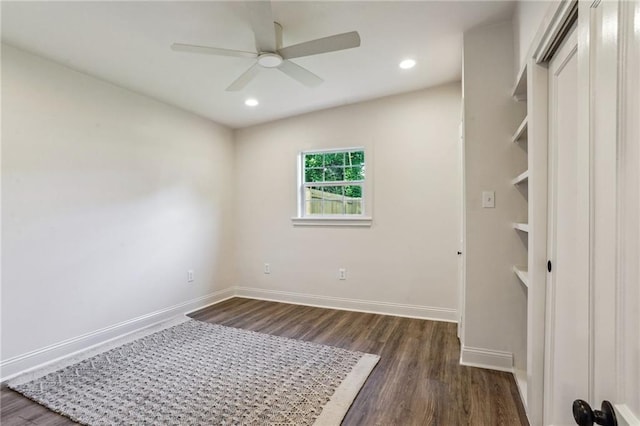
column 269, row 60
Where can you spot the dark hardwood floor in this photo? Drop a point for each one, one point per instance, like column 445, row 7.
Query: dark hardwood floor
column 418, row 380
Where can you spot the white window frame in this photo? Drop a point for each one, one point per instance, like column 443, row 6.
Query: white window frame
column 330, row 220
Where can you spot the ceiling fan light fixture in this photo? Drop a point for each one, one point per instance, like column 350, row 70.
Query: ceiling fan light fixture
column 251, row 102
column 269, row 60
column 407, row 64
column 269, row 51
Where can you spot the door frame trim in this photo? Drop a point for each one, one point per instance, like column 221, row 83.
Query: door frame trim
column 554, row 33
column 557, row 17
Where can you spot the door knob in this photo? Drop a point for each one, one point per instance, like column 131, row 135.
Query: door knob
column 585, row 416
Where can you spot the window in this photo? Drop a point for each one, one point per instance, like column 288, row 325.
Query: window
column 332, row 184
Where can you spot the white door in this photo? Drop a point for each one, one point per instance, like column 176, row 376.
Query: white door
column 615, row 135
column 627, row 400
column 567, row 339
column 592, row 329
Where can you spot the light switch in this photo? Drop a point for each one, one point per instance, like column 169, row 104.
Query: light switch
column 488, row 199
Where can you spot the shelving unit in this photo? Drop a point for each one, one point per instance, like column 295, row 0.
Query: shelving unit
column 519, row 91
column 521, row 272
column 521, row 178
column 524, row 227
column 529, row 149
column 521, row 132
column 520, row 138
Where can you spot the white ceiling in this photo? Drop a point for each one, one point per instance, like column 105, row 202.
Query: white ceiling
column 127, row 43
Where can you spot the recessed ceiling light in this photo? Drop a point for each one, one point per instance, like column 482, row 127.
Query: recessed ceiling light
column 251, row 102
column 407, row 63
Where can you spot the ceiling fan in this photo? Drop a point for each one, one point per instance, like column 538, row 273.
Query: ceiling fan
column 270, row 53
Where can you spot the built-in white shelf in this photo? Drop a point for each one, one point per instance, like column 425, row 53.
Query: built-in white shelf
column 521, row 178
column 524, row 227
column 519, row 91
column 521, row 133
column 527, row 374
column 523, row 274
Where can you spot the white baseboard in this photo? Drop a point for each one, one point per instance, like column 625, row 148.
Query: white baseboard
column 486, row 358
column 383, row 308
column 520, row 376
column 36, row 359
column 53, row 353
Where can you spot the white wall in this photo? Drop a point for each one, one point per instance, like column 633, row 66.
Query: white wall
column 108, row 197
column 527, row 16
column 495, row 301
column 408, row 256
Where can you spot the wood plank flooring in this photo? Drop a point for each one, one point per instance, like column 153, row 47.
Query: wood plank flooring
column 418, row 380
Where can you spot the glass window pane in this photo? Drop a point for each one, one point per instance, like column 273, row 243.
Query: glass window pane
column 315, row 192
column 333, row 192
column 333, row 168
column 333, row 200
column 354, row 173
column 313, row 200
column 353, row 191
column 332, row 174
column 313, row 207
column 333, row 207
column 313, row 175
column 334, row 159
column 313, row 160
column 355, row 158
column 353, row 207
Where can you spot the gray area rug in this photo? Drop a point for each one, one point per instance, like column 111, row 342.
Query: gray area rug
column 196, row 373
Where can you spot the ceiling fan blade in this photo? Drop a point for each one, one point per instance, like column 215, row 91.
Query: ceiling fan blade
column 192, row 48
column 322, row 45
column 262, row 24
column 244, row 79
column 300, row 74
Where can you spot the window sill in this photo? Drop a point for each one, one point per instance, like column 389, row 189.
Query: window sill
column 359, row 221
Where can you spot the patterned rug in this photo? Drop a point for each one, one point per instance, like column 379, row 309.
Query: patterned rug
column 196, row 373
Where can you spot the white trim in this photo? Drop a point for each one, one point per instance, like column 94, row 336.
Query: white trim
column 537, row 106
column 57, row 352
column 627, row 339
column 38, row 358
column 549, row 38
column 302, row 185
column 486, row 358
column 355, row 305
column 332, row 221
column 333, row 150
column 520, row 376
column 334, row 183
column 625, row 416
column 84, row 354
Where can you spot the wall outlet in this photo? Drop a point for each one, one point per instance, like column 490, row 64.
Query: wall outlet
column 342, row 274
column 267, row 268
column 190, row 278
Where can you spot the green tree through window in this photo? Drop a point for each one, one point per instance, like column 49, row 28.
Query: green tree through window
column 333, row 182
